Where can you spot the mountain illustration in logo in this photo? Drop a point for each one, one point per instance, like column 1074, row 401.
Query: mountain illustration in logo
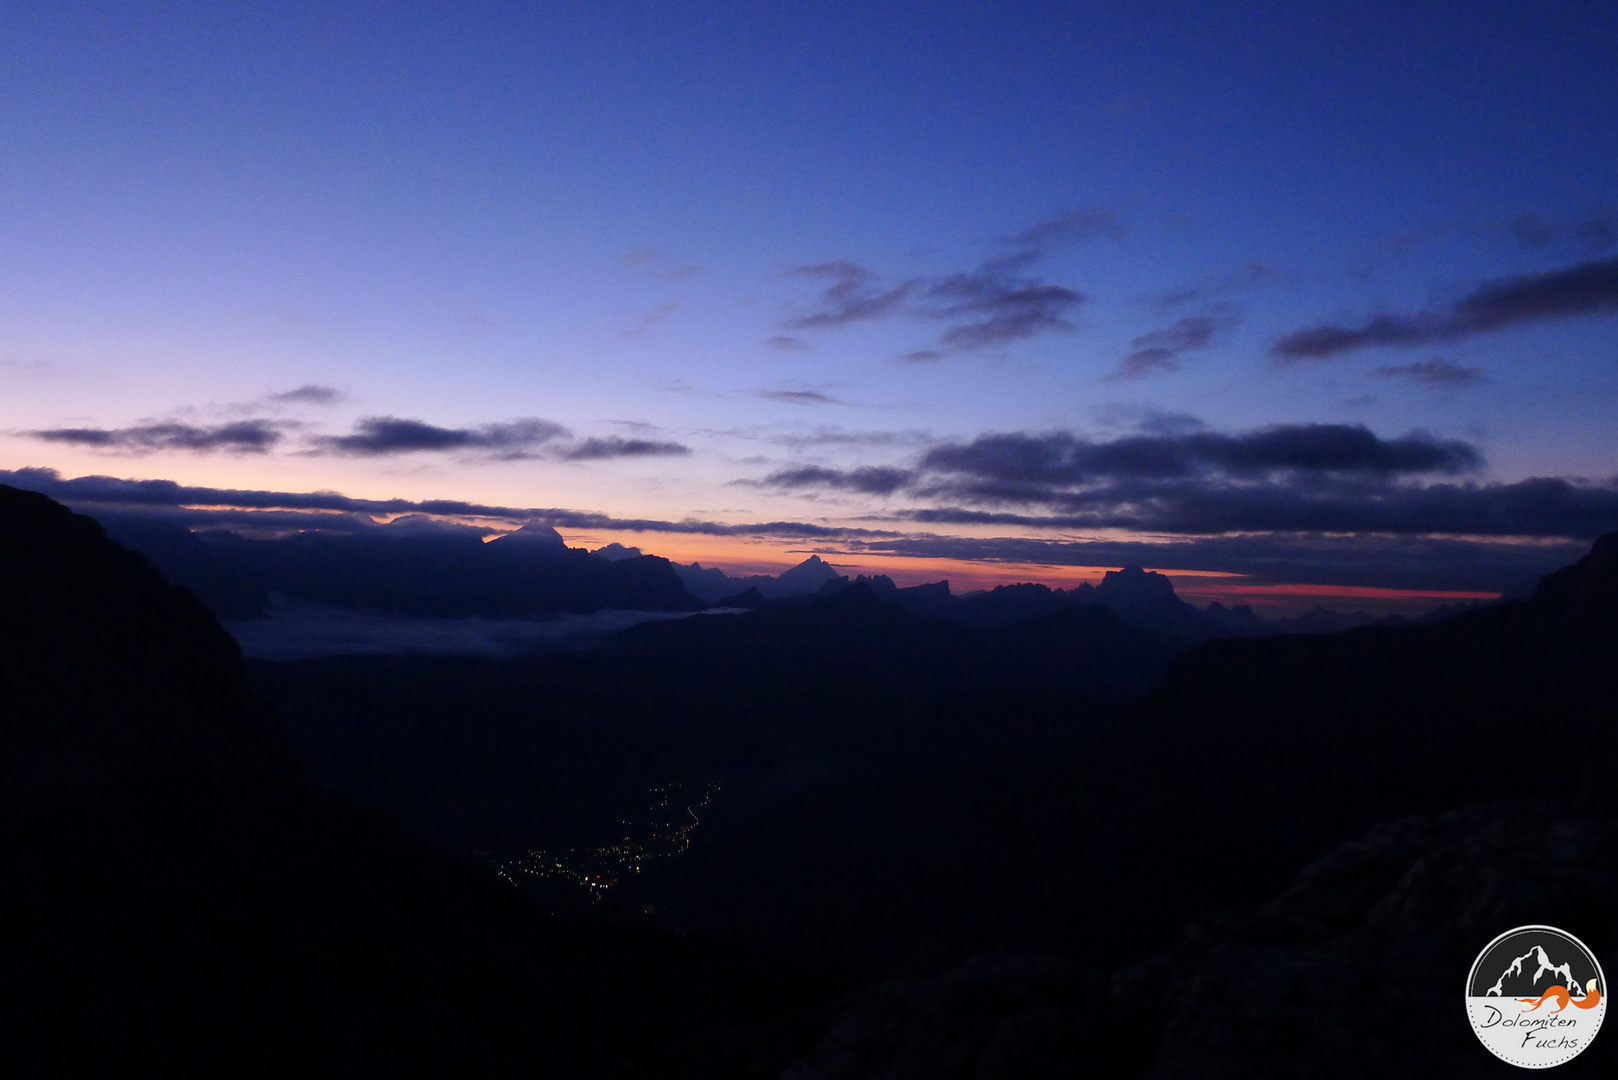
column 1515, row 982
column 1535, row 996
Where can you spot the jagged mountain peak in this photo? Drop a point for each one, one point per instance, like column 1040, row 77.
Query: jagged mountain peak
column 538, row 536
column 812, row 572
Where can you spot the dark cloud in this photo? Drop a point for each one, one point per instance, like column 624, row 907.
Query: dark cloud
column 308, row 394
column 996, row 306
column 1540, row 507
column 921, row 356
column 1589, row 288
column 179, row 504
column 992, row 305
column 787, row 343
column 1160, row 350
column 1073, row 226
column 614, row 447
column 1034, row 464
column 240, row 437
column 799, row 397
column 1436, row 373
column 870, row 480
column 377, row 436
column 850, row 297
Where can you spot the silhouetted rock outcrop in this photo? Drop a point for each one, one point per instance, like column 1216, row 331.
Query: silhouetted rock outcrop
column 174, row 899
column 108, row 672
column 1354, row 970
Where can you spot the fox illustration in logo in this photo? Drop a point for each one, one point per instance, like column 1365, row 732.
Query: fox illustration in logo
column 1560, row 995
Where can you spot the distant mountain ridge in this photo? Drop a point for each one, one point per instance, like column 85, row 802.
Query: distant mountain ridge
column 1144, row 599
column 405, row 569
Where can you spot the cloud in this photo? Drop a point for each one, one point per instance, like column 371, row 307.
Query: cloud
column 1220, row 284
column 1022, row 462
column 799, row 397
column 1590, row 288
column 614, row 447
column 786, row 343
column 870, row 480
column 1539, row 507
column 646, row 258
column 921, row 356
column 1434, row 374
column 1076, row 225
column 308, row 394
column 379, row 436
column 240, row 437
column 995, row 306
column 836, row 436
column 204, row 507
column 1159, row 350
column 1596, row 230
column 652, row 318
column 850, row 297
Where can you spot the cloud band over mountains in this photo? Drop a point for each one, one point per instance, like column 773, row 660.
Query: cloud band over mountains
column 1317, row 478
column 1335, row 539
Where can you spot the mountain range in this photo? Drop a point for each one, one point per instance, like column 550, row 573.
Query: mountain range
column 943, row 848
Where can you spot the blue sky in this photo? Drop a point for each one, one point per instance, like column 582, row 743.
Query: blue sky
column 662, row 262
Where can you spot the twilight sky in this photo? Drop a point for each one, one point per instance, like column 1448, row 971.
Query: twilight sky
column 1325, row 296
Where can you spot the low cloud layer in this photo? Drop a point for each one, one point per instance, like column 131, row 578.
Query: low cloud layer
column 288, row 510
column 1539, row 507
column 1590, row 288
column 1298, row 478
column 1279, row 530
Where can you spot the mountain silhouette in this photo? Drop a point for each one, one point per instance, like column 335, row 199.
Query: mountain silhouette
column 716, row 587
column 176, row 898
column 1250, row 758
column 407, row 567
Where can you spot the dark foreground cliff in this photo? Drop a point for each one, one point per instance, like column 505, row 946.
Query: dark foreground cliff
column 175, row 899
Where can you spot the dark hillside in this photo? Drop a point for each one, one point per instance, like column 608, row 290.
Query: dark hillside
column 175, row 899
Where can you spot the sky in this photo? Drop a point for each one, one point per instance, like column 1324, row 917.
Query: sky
column 1288, row 300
